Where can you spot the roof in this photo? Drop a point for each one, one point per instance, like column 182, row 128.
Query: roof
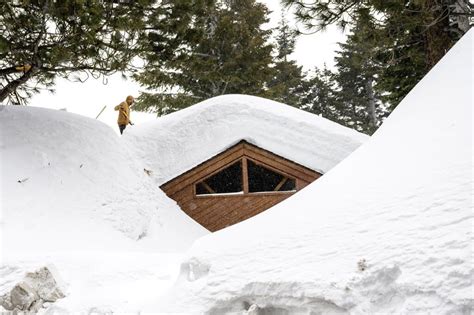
column 237, row 152
column 175, row 143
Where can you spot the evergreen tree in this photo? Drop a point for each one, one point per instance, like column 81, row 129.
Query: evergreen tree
column 357, row 71
column 442, row 21
column 225, row 51
column 286, row 83
column 43, row 39
column 74, row 39
column 403, row 57
column 414, row 34
column 319, row 96
column 349, row 95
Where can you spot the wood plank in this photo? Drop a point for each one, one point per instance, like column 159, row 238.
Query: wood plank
column 300, row 184
column 202, row 173
column 248, row 207
column 212, row 208
column 183, row 195
column 281, row 168
column 275, row 160
column 281, row 183
column 280, row 159
column 245, row 176
column 196, row 208
column 217, row 214
column 207, row 187
column 263, row 206
column 219, row 210
column 204, row 165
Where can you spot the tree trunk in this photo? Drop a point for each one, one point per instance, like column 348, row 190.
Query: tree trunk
column 371, row 106
column 461, row 7
column 13, row 85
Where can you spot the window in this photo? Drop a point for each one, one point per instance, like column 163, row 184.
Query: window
column 228, row 180
column 262, row 179
column 258, row 178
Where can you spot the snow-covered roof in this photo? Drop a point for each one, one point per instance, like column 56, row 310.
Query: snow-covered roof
column 387, row 231
column 177, row 142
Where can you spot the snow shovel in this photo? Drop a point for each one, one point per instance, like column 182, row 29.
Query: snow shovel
column 100, row 112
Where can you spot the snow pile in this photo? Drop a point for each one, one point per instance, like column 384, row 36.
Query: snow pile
column 69, row 183
column 178, row 142
column 389, row 230
column 72, row 195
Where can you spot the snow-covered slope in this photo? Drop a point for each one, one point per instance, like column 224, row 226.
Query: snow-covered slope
column 177, row 142
column 73, row 196
column 388, row 230
column 68, row 183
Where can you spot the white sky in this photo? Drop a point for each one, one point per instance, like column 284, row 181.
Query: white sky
column 90, row 97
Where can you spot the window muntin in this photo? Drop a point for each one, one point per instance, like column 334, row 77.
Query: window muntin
column 262, row 179
column 228, row 180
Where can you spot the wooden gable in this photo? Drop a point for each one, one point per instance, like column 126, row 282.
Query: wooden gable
column 219, row 210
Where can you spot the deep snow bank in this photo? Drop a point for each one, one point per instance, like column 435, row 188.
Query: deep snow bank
column 177, row 142
column 388, row 230
column 68, row 183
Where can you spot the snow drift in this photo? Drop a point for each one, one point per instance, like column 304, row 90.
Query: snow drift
column 68, row 183
column 180, row 141
column 75, row 198
column 388, row 230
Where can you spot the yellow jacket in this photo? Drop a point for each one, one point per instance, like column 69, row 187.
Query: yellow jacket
column 124, row 113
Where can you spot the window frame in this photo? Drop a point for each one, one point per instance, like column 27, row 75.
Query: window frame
column 245, row 180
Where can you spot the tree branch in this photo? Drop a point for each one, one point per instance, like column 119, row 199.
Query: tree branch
column 13, row 85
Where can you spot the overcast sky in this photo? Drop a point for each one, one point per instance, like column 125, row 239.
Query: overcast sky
column 90, row 97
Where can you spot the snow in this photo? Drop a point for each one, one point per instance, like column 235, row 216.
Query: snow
column 78, row 198
column 73, row 195
column 386, row 231
column 175, row 143
column 77, row 176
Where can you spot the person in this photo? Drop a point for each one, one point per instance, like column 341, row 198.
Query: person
column 124, row 113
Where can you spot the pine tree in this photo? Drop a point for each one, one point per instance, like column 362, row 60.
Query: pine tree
column 43, row 39
column 403, row 57
column 349, row 95
column 226, row 51
column 416, row 34
column 319, row 96
column 286, row 83
column 357, row 72
column 441, row 21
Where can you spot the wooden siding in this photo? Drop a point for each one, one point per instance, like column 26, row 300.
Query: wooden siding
column 216, row 212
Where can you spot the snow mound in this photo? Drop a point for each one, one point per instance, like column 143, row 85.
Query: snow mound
column 179, row 141
column 388, row 230
column 69, row 183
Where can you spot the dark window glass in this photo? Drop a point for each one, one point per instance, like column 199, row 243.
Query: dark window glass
column 262, row 179
column 229, row 180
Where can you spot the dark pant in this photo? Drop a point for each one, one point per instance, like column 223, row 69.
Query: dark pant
column 122, row 127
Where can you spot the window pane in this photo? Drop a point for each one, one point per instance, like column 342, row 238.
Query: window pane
column 229, row 180
column 262, row 179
